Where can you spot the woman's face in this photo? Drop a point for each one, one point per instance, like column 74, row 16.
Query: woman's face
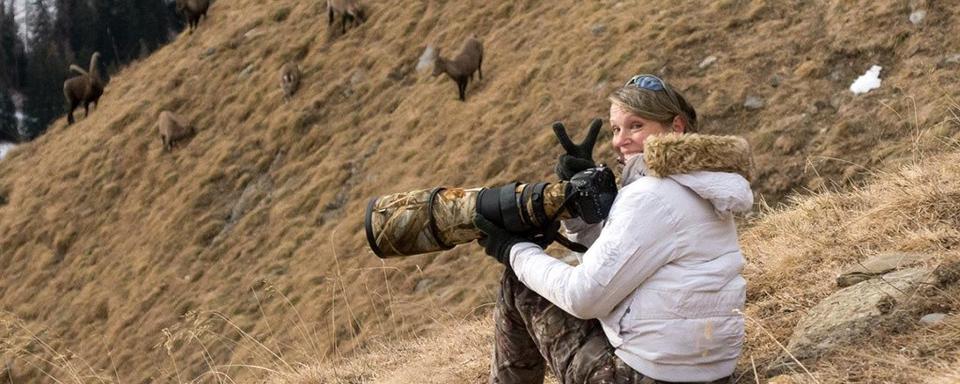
column 630, row 131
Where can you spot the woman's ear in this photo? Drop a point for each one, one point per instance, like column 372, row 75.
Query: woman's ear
column 678, row 124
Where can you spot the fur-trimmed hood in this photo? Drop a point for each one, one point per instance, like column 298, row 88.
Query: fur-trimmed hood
column 717, row 168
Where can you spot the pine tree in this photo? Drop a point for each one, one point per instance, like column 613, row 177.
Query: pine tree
column 8, row 117
column 9, row 42
column 47, row 70
column 18, row 62
column 76, row 27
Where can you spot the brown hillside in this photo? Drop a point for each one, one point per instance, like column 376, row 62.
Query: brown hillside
column 794, row 254
column 128, row 259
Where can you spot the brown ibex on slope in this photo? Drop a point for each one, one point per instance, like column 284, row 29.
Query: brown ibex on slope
column 349, row 10
column 289, row 80
column 86, row 88
column 192, row 10
column 172, row 128
column 462, row 67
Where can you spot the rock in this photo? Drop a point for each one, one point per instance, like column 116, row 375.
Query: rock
column 932, row 318
column 878, row 265
column 422, row 286
column 253, row 33
column 358, row 77
column 947, row 273
column 708, row 62
column 598, row 29
column 836, row 102
column 916, row 17
column 753, row 102
column 425, row 62
column 245, row 73
column 836, row 75
column 949, row 60
column 822, row 105
column 209, row 52
column 776, row 80
column 850, row 313
column 399, row 72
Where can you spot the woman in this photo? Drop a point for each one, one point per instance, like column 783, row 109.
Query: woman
column 653, row 298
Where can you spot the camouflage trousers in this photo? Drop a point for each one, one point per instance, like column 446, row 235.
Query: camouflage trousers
column 532, row 333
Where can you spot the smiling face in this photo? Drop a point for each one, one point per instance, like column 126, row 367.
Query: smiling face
column 630, row 131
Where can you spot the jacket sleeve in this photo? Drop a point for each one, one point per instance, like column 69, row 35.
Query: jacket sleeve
column 637, row 239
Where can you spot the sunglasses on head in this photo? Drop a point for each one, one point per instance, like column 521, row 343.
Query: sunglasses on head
column 648, row 82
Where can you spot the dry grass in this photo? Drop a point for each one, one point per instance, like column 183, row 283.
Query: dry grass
column 107, row 240
column 24, row 350
column 795, row 254
column 458, row 354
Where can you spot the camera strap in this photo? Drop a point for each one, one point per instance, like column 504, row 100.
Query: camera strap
column 570, row 244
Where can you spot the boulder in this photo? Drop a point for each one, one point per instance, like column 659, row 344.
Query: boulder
column 850, row 313
column 878, row 265
column 933, row 318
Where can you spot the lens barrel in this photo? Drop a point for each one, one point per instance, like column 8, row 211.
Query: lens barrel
column 429, row 220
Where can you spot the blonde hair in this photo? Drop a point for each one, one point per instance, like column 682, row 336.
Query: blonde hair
column 660, row 106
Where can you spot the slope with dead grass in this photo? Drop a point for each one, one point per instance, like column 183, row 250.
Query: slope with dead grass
column 793, row 255
column 166, row 266
column 796, row 254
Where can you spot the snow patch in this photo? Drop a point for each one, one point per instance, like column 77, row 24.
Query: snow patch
column 4, row 148
column 867, row 82
column 917, row 16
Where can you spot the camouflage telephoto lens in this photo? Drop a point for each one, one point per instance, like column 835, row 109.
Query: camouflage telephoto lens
column 430, row 220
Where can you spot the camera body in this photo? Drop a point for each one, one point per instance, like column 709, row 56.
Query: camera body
column 595, row 189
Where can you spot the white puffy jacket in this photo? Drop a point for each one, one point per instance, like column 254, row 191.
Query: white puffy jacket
column 663, row 273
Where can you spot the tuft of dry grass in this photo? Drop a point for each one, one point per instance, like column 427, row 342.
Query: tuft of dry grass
column 28, row 355
column 458, row 354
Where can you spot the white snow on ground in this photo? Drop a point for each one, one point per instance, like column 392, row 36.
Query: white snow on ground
column 868, row 81
column 4, row 148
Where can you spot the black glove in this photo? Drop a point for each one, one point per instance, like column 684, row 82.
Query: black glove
column 498, row 241
column 579, row 156
column 567, row 166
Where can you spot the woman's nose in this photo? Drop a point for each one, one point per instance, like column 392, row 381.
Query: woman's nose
column 619, row 139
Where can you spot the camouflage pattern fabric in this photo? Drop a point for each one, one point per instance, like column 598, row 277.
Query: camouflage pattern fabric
column 532, row 333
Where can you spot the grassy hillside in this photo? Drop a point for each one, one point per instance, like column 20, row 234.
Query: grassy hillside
column 794, row 255
column 244, row 246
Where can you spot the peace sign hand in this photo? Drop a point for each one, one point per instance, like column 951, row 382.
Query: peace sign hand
column 579, row 156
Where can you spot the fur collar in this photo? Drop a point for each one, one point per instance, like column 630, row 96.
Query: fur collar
column 675, row 153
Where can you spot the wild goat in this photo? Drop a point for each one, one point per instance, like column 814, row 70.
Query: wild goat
column 192, row 10
column 461, row 68
column 172, row 128
column 289, row 80
column 86, row 88
column 349, row 10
